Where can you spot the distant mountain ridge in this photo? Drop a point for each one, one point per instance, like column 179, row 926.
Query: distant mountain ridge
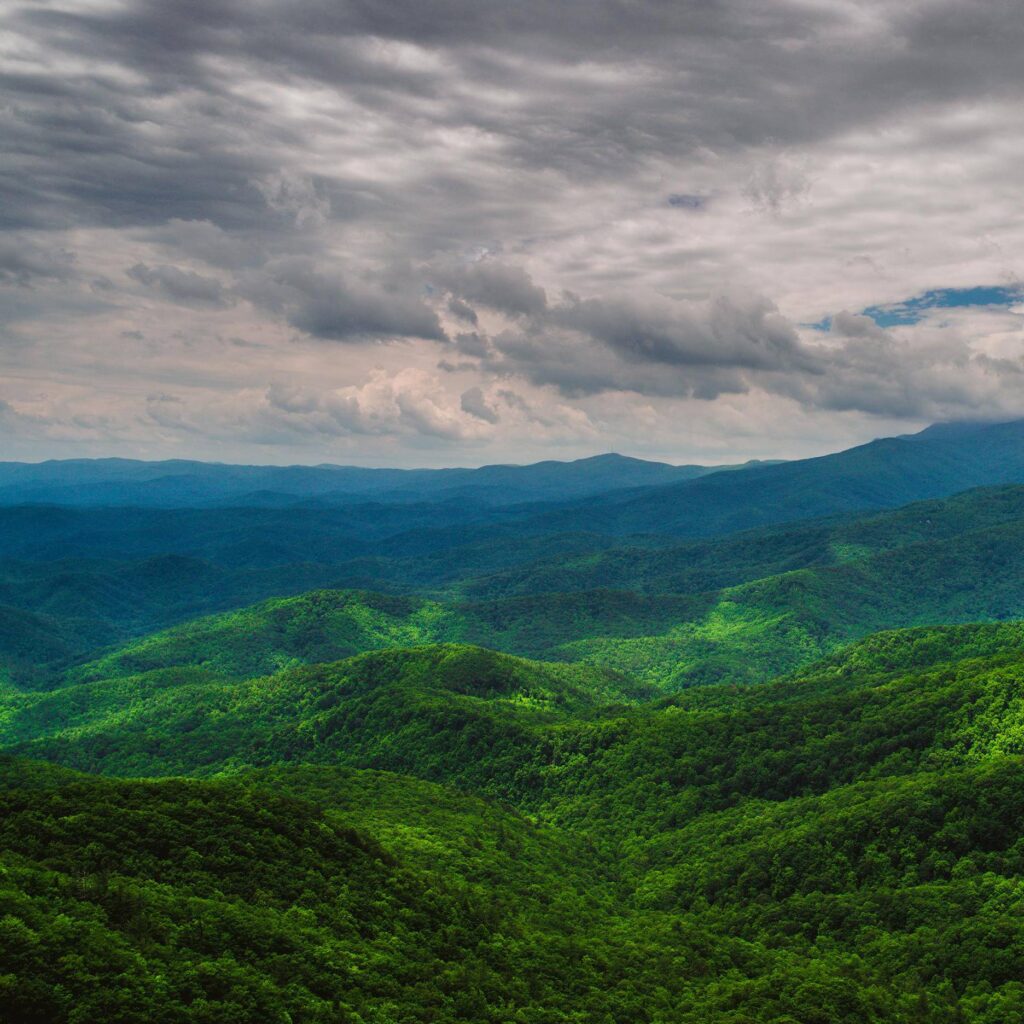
column 885, row 473
column 605, row 494
column 185, row 483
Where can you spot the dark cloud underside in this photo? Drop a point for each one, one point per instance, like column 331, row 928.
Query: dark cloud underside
column 505, row 226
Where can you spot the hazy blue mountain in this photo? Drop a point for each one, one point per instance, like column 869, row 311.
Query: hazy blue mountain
column 319, row 528
column 181, row 483
column 882, row 474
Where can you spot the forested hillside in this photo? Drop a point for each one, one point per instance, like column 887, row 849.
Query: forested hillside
column 849, row 853
column 460, row 760
column 958, row 560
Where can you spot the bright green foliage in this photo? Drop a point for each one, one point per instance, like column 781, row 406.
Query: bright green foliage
column 321, row 626
column 842, row 846
column 751, row 632
column 328, row 625
column 443, row 710
column 349, row 806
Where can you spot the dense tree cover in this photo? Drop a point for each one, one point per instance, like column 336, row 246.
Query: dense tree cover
column 751, row 632
column 745, row 634
column 502, row 590
column 185, row 901
column 447, row 710
column 327, row 625
column 843, row 845
column 31, row 642
column 361, row 803
column 704, row 565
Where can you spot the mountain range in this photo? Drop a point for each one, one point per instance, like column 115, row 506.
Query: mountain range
column 604, row 741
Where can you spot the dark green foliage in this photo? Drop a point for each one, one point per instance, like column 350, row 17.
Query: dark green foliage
column 698, row 566
column 842, row 846
column 751, row 632
column 184, row 901
column 349, row 806
column 30, row 643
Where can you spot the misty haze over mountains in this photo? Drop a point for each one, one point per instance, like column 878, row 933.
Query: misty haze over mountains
column 653, row 496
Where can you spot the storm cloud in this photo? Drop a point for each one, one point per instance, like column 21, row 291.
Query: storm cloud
column 661, row 227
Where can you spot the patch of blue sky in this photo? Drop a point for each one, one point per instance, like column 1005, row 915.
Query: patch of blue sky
column 912, row 311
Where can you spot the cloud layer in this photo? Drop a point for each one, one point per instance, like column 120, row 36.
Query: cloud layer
column 451, row 232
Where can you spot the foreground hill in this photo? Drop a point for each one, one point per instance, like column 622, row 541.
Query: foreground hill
column 193, row 902
column 843, row 845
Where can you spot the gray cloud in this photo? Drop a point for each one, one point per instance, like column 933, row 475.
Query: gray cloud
column 473, row 402
column 687, row 201
column 529, row 173
column 202, row 240
column 472, row 343
column 716, row 76
column 22, row 261
column 462, row 311
column 184, row 286
column 497, row 285
column 722, row 333
column 409, row 403
column 326, row 305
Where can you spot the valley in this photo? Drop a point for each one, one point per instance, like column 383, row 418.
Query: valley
column 497, row 772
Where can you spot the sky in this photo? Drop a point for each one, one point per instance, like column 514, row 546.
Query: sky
column 443, row 232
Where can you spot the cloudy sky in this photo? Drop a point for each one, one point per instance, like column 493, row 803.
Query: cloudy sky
column 436, row 232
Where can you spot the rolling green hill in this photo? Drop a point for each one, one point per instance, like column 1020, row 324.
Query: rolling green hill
column 927, row 564
column 464, row 708
column 751, row 632
column 504, row 764
column 80, row 605
column 844, row 845
column 327, row 625
column 535, row 732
